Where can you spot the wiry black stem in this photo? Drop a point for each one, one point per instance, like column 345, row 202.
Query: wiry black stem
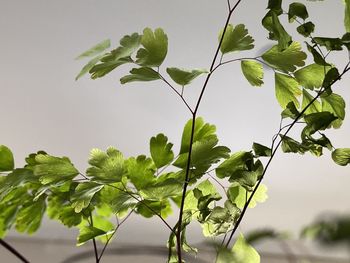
column 13, row 251
column 194, row 114
column 346, row 69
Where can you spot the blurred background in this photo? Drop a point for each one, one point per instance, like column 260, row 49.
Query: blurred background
column 43, row 108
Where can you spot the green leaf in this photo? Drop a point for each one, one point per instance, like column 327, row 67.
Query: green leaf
column 88, row 66
column 155, row 48
column 6, row 159
column 331, row 77
column 161, row 150
column 30, row 215
column 184, row 77
column 148, row 208
column 83, row 194
column 335, row 104
column 261, row 150
column 87, row 233
column 244, row 253
column 297, row 10
column 106, row 167
column 286, row 60
column 253, row 72
column 290, row 111
column 341, row 156
column 276, row 30
column 347, row 15
column 202, row 131
column 290, row 145
column 316, row 122
column 140, row 74
column 162, row 190
column 52, row 169
column 128, row 45
column 317, row 56
column 311, row 76
column 235, row 39
column 141, row 171
column 17, row 178
column 102, row 69
column 329, row 43
column 100, row 47
column 237, row 162
column 239, row 195
column 287, row 90
column 275, row 5
column 306, row 29
column 314, row 107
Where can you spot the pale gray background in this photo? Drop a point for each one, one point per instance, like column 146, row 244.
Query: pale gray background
column 43, row 107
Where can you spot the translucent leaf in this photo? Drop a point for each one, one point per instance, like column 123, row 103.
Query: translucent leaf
column 306, row 29
column 87, row 233
column 261, row 150
column 184, row 77
column 30, row 215
column 17, row 178
column 238, row 195
column 341, row 156
column 6, row 159
column 141, row 171
column 335, row 104
column 202, row 131
column 155, row 48
column 161, row 150
column 290, row 145
column 314, row 107
column 347, row 15
column 162, row 190
column 236, row 163
column 253, row 72
column 244, row 253
column 148, row 208
column 100, row 47
column 275, row 5
column 236, row 39
column 140, row 74
column 52, row 169
column 287, row 90
column 83, row 194
column 88, row 66
column 106, row 166
column 317, row 122
column 286, row 60
column 311, row 76
column 276, row 31
column 331, row 76
column 297, row 10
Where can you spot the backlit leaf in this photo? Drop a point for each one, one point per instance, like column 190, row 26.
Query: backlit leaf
column 317, row 122
column 88, row 66
column 287, row 60
column 317, row 56
column 88, row 233
column 335, row 104
column 347, row 15
column 261, row 150
column 98, row 48
column 244, row 253
column 183, row 76
column 238, row 195
column 341, row 156
column 235, row 39
column 314, row 107
column 290, row 111
column 155, row 48
column 311, row 76
column 83, row 194
column 306, row 29
column 290, row 145
column 141, row 171
column 329, row 43
column 253, row 72
column 128, row 45
column 6, row 159
column 140, row 74
column 286, row 90
column 161, row 150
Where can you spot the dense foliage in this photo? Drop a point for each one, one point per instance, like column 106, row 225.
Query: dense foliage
column 204, row 181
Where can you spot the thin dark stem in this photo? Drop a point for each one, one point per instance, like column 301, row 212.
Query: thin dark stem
column 13, row 251
column 186, row 182
column 114, row 232
column 346, row 69
column 178, row 93
column 94, row 240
